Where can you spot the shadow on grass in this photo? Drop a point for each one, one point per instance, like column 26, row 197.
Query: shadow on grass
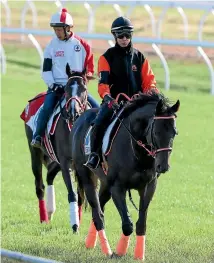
column 176, row 87
column 23, row 64
column 161, row 84
column 9, row 260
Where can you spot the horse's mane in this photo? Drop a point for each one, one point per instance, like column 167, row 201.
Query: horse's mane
column 143, row 99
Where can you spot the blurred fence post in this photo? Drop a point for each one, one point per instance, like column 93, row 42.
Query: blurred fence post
column 3, row 60
column 130, row 10
column 202, row 21
column 118, row 9
column 160, row 21
column 58, row 4
column 152, row 18
column 38, row 48
column 185, row 21
column 28, row 5
column 210, row 67
column 8, row 12
column 91, row 17
column 165, row 66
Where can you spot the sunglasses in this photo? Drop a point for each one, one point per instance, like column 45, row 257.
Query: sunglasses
column 126, row 35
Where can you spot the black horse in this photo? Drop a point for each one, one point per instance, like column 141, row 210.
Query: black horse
column 75, row 104
column 139, row 154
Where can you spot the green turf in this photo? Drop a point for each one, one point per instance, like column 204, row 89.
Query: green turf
column 9, row 260
column 180, row 221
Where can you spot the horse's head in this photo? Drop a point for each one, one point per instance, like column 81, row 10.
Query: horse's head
column 75, row 93
column 153, row 127
column 162, row 133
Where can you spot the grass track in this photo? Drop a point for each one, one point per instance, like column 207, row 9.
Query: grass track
column 180, row 221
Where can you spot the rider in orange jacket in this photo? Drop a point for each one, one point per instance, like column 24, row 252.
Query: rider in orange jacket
column 121, row 69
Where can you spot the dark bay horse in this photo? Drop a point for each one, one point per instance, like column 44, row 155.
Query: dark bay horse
column 75, row 104
column 139, row 154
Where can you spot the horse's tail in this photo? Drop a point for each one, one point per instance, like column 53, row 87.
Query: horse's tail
column 82, row 200
column 80, row 189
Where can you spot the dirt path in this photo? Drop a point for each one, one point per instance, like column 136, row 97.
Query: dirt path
column 99, row 46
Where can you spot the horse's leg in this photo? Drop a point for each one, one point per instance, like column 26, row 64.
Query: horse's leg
column 146, row 195
column 36, row 162
column 97, row 214
column 53, row 168
column 119, row 197
column 104, row 197
column 104, row 194
column 65, row 165
column 81, row 197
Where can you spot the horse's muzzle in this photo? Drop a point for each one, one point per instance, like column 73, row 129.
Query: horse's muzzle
column 160, row 168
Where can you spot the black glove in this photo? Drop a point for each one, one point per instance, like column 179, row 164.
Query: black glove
column 55, row 87
column 112, row 104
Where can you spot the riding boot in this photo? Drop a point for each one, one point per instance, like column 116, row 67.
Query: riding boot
column 98, row 130
column 49, row 103
column 96, row 140
column 40, row 129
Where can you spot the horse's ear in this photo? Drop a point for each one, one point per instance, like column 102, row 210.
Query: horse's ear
column 68, row 70
column 175, row 107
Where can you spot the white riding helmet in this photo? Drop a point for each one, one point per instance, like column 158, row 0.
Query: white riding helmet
column 62, row 19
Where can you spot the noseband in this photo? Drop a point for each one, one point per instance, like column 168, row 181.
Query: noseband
column 154, row 152
column 150, row 152
column 82, row 106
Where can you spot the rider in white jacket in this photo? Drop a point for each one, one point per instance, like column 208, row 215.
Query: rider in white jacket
column 65, row 48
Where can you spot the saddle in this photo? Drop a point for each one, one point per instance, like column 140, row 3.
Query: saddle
column 108, row 137
column 30, row 115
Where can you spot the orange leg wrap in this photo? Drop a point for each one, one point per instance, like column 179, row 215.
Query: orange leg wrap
column 139, row 252
column 91, row 239
column 122, row 245
column 104, row 243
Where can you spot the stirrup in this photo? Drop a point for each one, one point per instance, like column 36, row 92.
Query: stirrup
column 37, row 142
column 91, row 166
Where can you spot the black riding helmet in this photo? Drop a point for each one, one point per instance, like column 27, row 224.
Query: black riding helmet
column 121, row 25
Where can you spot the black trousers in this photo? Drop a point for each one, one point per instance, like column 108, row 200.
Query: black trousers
column 101, row 122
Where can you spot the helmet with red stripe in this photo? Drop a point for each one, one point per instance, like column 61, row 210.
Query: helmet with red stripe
column 61, row 19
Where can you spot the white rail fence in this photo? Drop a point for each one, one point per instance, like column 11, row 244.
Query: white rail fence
column 91, row 7
column 24, row 257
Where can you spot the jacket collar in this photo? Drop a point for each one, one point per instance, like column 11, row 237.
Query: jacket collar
column 125, row 50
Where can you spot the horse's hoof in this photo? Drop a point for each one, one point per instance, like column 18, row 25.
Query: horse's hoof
column 44, row 221
column 75, row 229
column 114, row 255
column 50, row 216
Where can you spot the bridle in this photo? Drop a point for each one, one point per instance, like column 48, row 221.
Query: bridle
column 82, row 105
column 154, row 152
column 151, row 152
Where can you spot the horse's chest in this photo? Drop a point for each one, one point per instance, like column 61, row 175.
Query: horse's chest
column 139, row 179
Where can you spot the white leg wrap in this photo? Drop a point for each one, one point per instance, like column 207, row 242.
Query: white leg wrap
column 74, row 216
column 51, row 202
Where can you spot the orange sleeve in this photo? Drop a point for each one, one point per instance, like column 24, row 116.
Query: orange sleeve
column 148, row 78
column 103, row 69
